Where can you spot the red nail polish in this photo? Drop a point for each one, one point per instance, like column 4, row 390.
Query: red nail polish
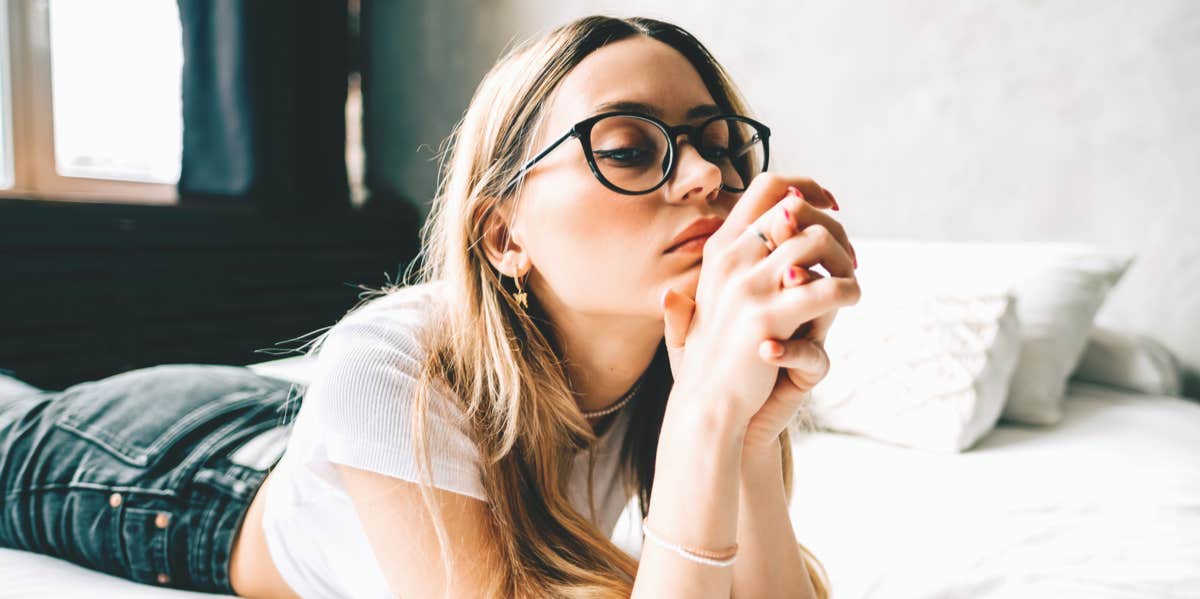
column 834, row 201
column 792, row 189
column 792, row 274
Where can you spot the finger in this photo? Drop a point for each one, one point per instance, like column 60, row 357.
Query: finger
column 783, row 226
column 814, row 245
column 796, row 275
column 792, row 306
column 819, row 326
column 789, row 216
column 765, row 190
column 777, row 224
column 803, row 214
column 678, row 310
column 813, row 193
column 796, row 354
column 832, row 200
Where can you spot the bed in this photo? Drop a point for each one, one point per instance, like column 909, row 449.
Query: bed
column 920, row 481
column 1105, row 504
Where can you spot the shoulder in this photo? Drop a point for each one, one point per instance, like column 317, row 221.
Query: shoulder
column 402, row 307
column 396, row 321
column 373, row 358
column 369, row 375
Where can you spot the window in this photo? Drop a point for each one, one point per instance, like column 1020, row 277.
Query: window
column 117, row 108
column 5, row 111
column 93, row 98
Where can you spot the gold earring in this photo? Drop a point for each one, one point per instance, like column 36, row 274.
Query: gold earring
column 522, row 297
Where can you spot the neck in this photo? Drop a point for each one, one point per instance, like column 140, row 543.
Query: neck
column 604, row 355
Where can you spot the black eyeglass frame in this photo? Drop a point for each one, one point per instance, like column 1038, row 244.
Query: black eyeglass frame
column 583, row 131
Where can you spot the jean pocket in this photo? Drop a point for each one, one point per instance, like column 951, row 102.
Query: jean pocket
column 141, row 415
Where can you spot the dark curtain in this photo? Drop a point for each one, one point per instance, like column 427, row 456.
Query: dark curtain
column 264, row 96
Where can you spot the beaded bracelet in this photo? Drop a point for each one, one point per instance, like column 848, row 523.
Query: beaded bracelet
column 712, row 558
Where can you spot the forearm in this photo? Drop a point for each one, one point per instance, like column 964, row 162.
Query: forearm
column 769, row 560
column 694, row 502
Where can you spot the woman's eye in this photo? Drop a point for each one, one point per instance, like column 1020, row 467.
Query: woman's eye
column 716, row 152
column 624, row 156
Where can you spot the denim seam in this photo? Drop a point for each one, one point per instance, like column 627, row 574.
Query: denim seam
column 204, row 449
column 201, row 452
column 217, row 550
column 89, row 486
column 194, row 551
column 190, row 464
column 225, row 548
column 120, row 445
column 203, row 541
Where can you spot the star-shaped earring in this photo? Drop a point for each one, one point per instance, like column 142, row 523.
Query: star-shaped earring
column 520, row 295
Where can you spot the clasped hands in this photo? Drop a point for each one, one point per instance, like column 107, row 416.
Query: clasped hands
column 796, row 206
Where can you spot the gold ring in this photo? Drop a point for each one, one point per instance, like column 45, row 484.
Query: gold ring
column 766, row 241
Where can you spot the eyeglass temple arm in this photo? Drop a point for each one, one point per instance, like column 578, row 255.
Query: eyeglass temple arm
column 516, row 176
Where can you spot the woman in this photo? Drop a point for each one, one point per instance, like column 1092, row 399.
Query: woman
column 586, row 325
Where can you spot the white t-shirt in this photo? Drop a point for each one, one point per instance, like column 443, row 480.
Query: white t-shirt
column 355, row 411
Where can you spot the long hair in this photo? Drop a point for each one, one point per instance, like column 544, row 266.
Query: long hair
column 501, row 362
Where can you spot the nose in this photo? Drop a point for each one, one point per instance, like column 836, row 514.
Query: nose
column 693, row 174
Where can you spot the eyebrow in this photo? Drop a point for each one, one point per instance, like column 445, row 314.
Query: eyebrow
column 695, row 112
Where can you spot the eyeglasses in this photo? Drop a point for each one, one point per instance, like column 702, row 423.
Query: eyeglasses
column 634, row 153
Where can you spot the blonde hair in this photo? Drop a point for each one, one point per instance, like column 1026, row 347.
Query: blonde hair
column 501, row 362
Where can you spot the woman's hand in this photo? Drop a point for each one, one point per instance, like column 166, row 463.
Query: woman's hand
column 803, row 363
column 803, row 236
column 744, row 299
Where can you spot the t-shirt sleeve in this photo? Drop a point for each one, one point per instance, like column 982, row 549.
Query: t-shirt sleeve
column 366, row 381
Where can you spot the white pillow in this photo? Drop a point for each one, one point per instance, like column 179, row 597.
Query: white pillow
column 1129, row 361
column 928, row 372
column 11, row 386
column 1058, row 286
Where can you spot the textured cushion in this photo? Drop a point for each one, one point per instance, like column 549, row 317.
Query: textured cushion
column 1058, row 286
column 1129, row 361
column 928, row 372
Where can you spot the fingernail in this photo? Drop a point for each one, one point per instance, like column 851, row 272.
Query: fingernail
column 788, row 215
column 793, row 274
column 855, row 258
column 832, row 199
column 792, row 189
column 774, row 349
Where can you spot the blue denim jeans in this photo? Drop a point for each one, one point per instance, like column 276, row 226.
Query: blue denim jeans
column 131, row 474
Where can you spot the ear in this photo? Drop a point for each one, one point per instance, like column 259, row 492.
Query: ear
column 501, row 247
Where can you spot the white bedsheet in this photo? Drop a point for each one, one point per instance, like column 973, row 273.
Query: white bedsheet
column 1105, row 505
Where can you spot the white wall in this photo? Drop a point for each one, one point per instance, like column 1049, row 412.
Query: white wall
column 988, row 120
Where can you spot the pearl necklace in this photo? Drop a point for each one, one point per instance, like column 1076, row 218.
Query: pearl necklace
column 590, row 414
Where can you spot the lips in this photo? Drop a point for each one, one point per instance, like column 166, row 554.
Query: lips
column 687, row 242
column 699, row 228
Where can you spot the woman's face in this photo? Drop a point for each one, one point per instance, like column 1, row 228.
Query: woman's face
column 595, row 251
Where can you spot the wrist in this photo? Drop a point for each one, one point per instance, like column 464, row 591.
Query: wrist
column 761, row 456
column 705, row 417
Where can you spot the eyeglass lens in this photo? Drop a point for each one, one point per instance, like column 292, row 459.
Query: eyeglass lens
column 633, row 153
